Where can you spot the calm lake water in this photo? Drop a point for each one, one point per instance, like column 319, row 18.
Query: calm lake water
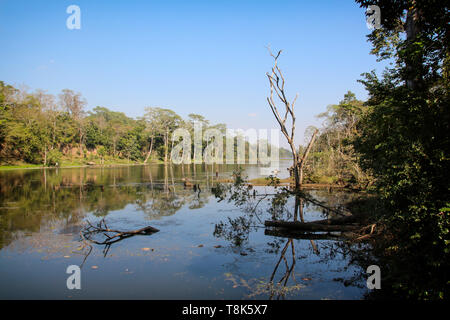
column 205, row 249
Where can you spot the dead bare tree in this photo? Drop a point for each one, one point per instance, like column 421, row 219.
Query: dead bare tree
column 277, row 82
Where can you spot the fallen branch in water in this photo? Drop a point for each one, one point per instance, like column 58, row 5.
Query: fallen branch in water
column 111, row 235
column 306, row 230
column 296, row 234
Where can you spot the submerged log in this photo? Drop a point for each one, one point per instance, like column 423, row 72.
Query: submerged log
column 295, row 234
column 309, row 226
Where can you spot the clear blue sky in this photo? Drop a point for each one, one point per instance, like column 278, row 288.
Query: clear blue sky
column 205, row 57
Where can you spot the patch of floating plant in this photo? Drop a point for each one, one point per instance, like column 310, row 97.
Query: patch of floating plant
column 257, row 287
column 51, row 244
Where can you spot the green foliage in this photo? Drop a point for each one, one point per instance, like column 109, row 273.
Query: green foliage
column 404, row 142
column 273, row 181
column 33, row 126
column 54, row 157
column 237, row 176
column 129, row 146
column 332, row 158
column 101, row 150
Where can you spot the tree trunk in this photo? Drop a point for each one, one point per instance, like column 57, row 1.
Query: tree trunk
column 166, row 145
column 171, row 148
column 149, row 151
column 305, row 155
column 293, row 234
column 81, row 146
column 295, row 169
column 413, row 64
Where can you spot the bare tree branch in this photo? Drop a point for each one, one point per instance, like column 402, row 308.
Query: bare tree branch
column 277, row 82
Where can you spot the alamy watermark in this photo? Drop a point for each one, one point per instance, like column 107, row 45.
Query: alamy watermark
column 74, row 280
column 373, row 17
column 74, row 20
column 217, row 141
column 374, row 280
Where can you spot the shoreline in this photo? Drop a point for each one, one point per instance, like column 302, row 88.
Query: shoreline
column 30, row 167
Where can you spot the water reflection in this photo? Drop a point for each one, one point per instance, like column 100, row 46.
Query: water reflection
column 31, row 198
column 212, row 242
column 278, row 203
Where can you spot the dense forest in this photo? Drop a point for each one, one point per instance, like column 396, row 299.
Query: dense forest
column 397, row 144
column 333, row 158
column 38, row 128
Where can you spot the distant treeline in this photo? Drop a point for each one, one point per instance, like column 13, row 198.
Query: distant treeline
column 39, row 128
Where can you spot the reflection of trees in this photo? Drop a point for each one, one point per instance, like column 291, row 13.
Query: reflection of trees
column 279, row 204
column 31, row 199
column 166, row 198
column 249, row 201
column 160, row 204
column 237, row 229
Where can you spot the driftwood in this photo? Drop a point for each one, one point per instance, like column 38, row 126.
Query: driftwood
column 295, row 234
column 309, row 226
column 111, row 235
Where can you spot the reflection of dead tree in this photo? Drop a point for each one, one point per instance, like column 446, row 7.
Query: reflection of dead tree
column 296, row 229
column 349, row 225
column 316, row 202
column 109, row 236
column 288, row 273
column 299, row 207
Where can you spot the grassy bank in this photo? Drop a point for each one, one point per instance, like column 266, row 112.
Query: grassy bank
column 75, row 164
